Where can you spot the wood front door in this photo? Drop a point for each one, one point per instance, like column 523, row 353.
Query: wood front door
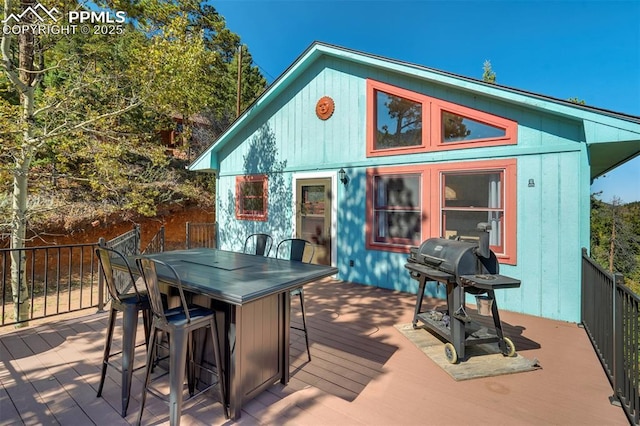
column 313, row 216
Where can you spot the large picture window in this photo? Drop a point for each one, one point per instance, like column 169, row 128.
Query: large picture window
column 251, row 197
column 397, row 209
column 408, row 204
column 400, row 121
column 470, row 198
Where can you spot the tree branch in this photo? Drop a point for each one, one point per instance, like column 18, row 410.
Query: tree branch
column 63, row 129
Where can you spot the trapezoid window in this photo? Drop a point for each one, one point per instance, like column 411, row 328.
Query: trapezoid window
column 458, row 128
column 401, row 121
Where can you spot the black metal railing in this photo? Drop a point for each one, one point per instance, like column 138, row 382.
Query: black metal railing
column 200, row 235
column 156, row 245
column 63, row 278
column 60, row 279
column 611, row 317
column 127, row 243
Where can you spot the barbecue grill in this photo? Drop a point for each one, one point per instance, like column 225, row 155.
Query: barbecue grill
column 463, row 266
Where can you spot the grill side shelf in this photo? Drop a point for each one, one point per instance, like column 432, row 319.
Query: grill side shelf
column 489, row 281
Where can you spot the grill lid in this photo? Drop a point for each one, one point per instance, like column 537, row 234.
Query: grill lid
column 454, row 257
column 446, row 254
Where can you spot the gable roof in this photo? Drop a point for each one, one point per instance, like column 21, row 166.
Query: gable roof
column 612, row 137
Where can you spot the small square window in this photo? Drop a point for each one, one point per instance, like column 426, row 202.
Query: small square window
column 251, row 197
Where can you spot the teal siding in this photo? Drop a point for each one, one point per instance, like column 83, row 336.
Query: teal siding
column 286, row 137
column 549, row 240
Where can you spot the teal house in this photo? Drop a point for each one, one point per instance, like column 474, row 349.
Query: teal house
column 367, row 156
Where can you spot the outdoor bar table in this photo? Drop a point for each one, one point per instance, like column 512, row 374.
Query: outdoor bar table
column 253, row 294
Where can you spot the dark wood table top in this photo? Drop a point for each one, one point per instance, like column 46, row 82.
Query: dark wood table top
column 232, row 277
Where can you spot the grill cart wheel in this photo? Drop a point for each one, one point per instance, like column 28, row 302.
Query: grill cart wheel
column 450, row 353
column 510, row 347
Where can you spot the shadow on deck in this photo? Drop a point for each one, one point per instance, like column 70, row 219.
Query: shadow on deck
column 363, row 371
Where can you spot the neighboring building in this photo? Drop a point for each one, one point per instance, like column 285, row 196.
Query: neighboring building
column 425, row 153
column 178, row 145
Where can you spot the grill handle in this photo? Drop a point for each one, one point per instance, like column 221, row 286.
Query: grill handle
column 432, row 259
column 483, row 249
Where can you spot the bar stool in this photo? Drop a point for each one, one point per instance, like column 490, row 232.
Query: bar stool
column 125, row 298
column 295, row 252
column 179, row 323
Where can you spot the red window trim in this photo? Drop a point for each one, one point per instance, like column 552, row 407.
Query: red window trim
column 396, row 245
column 432, row 124
column 431, row 201
column 240, row 180
column 372, row 87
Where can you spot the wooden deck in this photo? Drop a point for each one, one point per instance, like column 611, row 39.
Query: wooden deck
column 363, row 372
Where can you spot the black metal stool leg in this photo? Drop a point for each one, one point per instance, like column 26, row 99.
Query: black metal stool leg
column 130, row 326
column 304, row 323
column 107, row 349
column 191, row 366
column 148, row 368
column 215, row 337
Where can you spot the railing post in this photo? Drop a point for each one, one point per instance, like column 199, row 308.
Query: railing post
column 138, row 242
column 102, row 243
column 617, row 367
column 188, row 243
column 583, row 288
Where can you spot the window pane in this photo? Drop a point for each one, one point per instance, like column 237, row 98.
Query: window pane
column 470, row 199
column 251, row 197
column 463, row 224
column 252, row 189
column 398, row 122
column 313, row 199
column 397, row 210
column 397, row 224
column 473, row 190
column 253, row 205
column 456, row 128
column 397, row 191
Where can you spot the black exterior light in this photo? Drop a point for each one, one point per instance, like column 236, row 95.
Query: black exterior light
column 342, row 175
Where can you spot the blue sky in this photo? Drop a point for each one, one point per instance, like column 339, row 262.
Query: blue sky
column 584, row 49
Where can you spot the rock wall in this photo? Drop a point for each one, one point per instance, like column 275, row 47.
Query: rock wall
column 174, row 221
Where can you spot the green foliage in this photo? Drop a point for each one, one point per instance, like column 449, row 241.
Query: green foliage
column 620, row 224
column 454, row 127
column 487, row 72
column 103, row 100
column 577, row 101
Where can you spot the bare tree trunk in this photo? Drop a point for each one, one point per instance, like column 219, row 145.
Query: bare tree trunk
column 24, row 81
column 19, row 287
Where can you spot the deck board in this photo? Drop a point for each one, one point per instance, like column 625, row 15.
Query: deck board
column 363, row 371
